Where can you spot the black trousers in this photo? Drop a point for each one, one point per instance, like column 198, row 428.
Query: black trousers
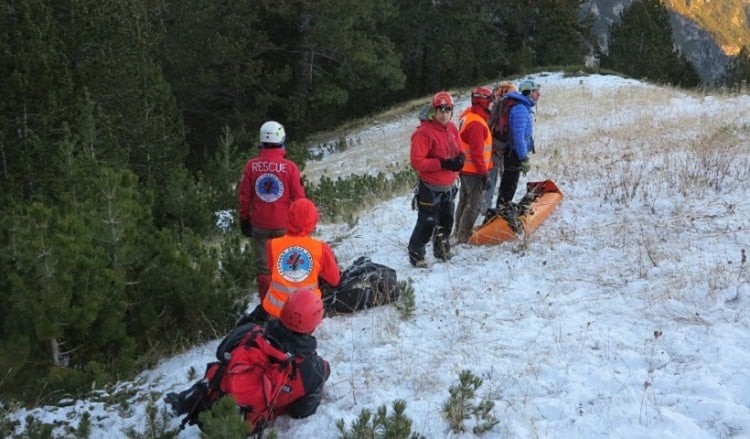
column 509, row 180
column 434, row 221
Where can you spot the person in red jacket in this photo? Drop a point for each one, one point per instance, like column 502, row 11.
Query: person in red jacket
column 476, row 141
column 436, row 157
column 270, row 183
column 297, row 260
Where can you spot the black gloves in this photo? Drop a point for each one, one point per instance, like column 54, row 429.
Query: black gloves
column 247, row 228
column 453, row 164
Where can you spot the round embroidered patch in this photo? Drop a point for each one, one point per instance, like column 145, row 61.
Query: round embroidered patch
column 269, row 187
column 294, row 263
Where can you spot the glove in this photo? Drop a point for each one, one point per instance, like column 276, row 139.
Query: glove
column 247, row 228
column 483, row 181
column 453, row 164
column 525, row 166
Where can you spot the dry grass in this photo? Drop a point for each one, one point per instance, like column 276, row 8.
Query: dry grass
column 666, row 173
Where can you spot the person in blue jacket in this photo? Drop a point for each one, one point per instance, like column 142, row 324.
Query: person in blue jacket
column 521, row 127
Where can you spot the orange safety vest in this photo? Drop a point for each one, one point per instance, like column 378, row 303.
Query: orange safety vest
column 295, row 265
column 468, row 117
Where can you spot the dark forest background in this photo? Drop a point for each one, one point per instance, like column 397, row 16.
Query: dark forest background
column 124, row 126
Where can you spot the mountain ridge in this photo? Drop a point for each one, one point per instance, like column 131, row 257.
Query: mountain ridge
column 726, row 20
column 706, row 32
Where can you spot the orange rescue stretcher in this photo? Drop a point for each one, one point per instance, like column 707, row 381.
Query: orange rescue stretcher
column 540, row 200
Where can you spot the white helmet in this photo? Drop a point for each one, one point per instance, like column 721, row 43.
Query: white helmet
column 272, row 132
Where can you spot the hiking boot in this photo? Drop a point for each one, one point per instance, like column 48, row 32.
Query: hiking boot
column 187, row 400
column 444, row 256
column 442, row 247
column 416, row 259
column 176, row 403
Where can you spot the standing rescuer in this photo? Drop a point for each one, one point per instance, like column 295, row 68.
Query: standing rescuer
column 476, row 142
column 521, row 126
column 436, row 157
column 498, row 145
column 269, row 184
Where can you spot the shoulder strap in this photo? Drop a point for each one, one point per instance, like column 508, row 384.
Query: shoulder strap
column 495, row 113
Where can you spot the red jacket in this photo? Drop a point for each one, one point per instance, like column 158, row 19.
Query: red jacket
column 430, row 143
column 269, row 185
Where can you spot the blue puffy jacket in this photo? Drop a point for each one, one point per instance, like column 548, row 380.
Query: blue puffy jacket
column 521, row 124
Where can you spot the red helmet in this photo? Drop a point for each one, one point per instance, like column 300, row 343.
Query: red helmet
column 481, row 96
column 442, row 98
column 302, row 312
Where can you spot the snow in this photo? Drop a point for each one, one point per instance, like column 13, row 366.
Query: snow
column 624, row 315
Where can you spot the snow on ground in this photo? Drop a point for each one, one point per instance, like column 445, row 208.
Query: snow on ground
column 624, row 315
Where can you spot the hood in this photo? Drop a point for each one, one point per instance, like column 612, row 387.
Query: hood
column 520, row 98
column 288, row 341
column 303, row 217
column 476, row 109
column 276, row 153
column 426, row 113
column 482, row 111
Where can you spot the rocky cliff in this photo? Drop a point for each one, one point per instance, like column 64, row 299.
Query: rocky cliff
column 707, row 32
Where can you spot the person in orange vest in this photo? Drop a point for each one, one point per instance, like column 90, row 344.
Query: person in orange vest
column 436, row 157
column 297, row 260
column 269, row 184
column 476, row 144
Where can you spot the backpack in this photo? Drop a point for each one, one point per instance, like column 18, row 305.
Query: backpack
column 363, row 285
column 261, row 379
column 500, row 118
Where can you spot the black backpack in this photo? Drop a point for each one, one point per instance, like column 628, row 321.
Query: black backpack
column 363, row 285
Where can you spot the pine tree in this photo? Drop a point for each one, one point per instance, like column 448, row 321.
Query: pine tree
column 216, row 57
column 58, row 285
column 416, row 34
column 224, row 169
column 110, row 46
column 641, row 45
column 560, row 36
column 342, row 61
column 35, row 86
column 93, row 287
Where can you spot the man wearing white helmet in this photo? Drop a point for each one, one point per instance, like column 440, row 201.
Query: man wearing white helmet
column 269, row 185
